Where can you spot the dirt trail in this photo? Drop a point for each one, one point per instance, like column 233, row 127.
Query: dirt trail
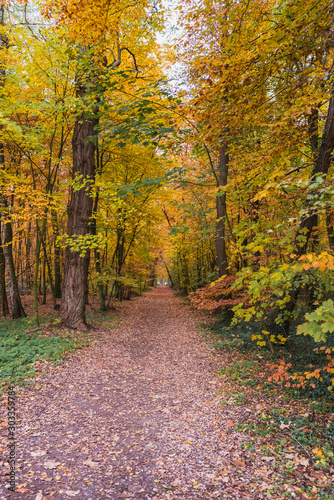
column 137, row 415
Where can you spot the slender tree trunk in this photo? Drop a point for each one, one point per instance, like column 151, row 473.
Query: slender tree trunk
column 3, row 296
column 221, row 212
column 44, row 281
column 57, row 255
column 153, row 276
column 13, row 288
column 169, row 275
column 321, row 166
column 330, row 230
column 97, row 258
column 47, row 261
column 28, row 259
column 39, row 238
column 75, row 282
column 4, row 310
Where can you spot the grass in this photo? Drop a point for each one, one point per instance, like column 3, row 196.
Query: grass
column 22, row 345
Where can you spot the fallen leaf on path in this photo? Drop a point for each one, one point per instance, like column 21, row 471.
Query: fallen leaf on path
column 229, row 423
column 90, row 463
column 239, row 463
column 38, row 453
column 51, row 464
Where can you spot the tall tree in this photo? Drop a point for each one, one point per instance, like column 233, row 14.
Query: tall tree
column 80, row 209
column 97, row 30
column 6, row 254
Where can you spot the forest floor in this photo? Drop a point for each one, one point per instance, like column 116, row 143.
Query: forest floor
column 139, row 414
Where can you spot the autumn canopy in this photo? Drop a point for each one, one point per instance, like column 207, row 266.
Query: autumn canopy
column 202, row 158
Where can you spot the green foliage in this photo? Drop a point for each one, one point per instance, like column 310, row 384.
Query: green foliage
column 242, row 371
column 302, row 354
column 319, row 323
column 82, row 244
column 20, row 350
column 309, row 436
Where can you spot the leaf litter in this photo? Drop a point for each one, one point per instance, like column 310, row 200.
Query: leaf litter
column 139, row 415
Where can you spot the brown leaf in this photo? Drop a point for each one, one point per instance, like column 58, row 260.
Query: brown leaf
column 239, row 463
column 90, row 463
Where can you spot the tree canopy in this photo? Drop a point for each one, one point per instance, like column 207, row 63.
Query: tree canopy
column 113, row 178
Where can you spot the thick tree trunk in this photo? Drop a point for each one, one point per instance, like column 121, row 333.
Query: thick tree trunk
column 221, row 212
column 75, row 282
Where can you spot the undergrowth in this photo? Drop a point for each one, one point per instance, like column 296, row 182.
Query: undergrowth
column 22, row 345
column 293, row 427
column 302, row 352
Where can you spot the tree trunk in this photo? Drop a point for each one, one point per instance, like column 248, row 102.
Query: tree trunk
column 3, row 296
column 13, row 288
column 39, row 238
column 169, row 275
column 47, row 261
column 4, row 311
column 330, row 230
column 97, row 258
column 75, row 282
column 28, row 259
column 321, row 166
column 17, row 308
column 221, row 212
column 57, row 254
column 152, row 281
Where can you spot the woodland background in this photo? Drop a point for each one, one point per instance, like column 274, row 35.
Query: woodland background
column 220, row 182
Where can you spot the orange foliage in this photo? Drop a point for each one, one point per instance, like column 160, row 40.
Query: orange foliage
column 281, row 374
column 218, row 294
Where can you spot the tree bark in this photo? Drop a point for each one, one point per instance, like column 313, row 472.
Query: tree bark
column 47, row 262
column 13, row 288
column 28, row 274
column 321, row 166
column 4, row 310
column 57, row 254
column 75, row 282
column 330, row 230
column 97, row 258
column 221, row 212
column 169, row 275
column 17, row 308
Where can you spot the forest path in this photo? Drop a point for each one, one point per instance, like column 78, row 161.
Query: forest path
column 136, row 415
